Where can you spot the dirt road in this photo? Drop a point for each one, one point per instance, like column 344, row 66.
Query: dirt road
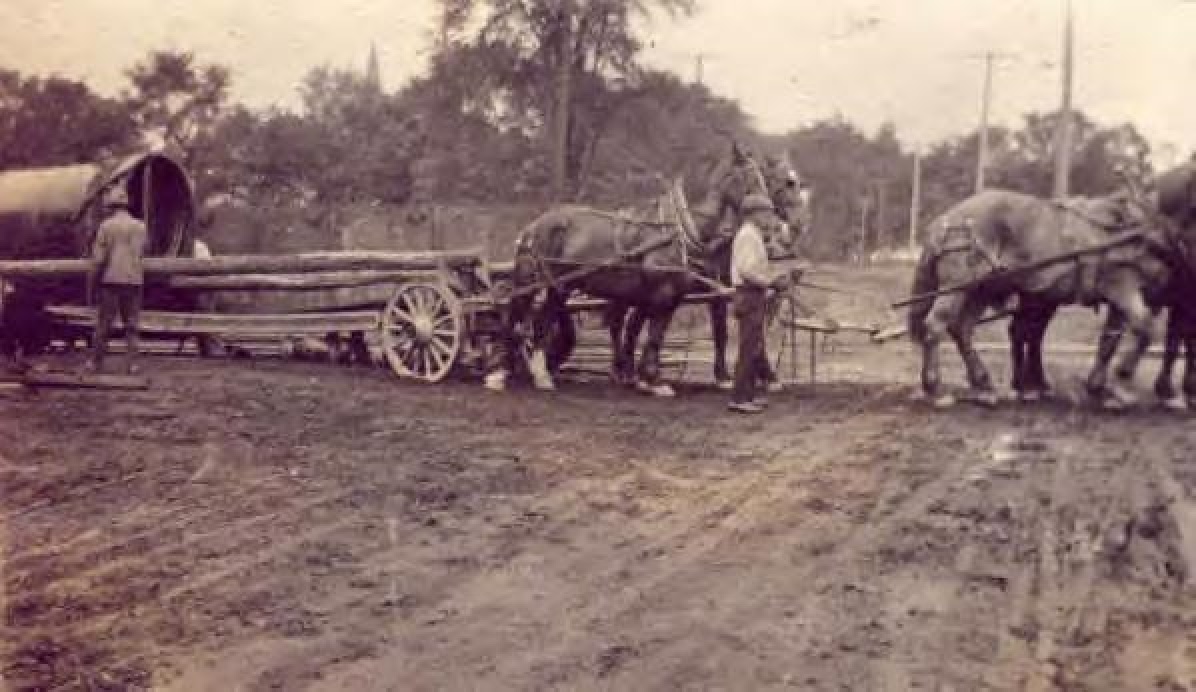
column 291, row 526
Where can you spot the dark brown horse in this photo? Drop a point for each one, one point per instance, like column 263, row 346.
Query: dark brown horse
column 1172, row 204
column 637, row 262
column 1175, row 199
column 718, row 217
column 996, row 230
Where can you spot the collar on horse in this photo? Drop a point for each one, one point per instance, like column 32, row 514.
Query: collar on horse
column 1071, row 208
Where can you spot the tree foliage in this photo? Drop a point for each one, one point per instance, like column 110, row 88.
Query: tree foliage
column 528, row 46
column 48, row 121
column 177, row 100
column 477, row 127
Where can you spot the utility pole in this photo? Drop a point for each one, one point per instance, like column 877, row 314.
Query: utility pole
column 881, row 211
column 1063, row 128
column 699, row 68
column 982, row 154
column 865, row 203
column 915, row 201
column 564, row 78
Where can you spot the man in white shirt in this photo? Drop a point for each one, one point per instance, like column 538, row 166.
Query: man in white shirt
column 752, row 277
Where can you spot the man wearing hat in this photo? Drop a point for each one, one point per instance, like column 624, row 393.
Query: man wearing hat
column 117, row 275
column 752, row 277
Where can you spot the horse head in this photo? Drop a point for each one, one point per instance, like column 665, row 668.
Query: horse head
column 743, row 175
column 1153, row 208
column 1173, row 200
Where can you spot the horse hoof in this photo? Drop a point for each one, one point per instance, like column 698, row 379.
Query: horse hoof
column 943, row 401
column 660, row 390
column 1122, row 397
column 1175, row 404
column 987, row 399
column 496, row 382
column 621, row 379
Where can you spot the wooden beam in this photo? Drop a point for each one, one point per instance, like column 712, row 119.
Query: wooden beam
column 255, row 264
column 299, row 282
column 286, row 324
column 1096, row 248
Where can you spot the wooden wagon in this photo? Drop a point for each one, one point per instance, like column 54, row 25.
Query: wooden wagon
column 428, row 313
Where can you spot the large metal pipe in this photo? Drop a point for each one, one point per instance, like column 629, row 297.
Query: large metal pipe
column 53, row 213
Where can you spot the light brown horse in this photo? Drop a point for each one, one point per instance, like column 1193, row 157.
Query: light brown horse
column 982, row 237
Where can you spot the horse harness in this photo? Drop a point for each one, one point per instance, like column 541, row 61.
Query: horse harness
column 623, row 256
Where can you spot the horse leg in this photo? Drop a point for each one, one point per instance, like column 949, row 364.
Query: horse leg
column 649, row 370
column 564, row 339
column 615, row 315
column 961, row 333
column 1163, row 388
column 624, row 333
column 1034, row 377
column 1188, row 340
column 943, row 313
column 1106, row 348
column 509, row 346
column 1126, row 294
column 718, row 333
column 550, row 313
column 1019, row 340
column 631, row 339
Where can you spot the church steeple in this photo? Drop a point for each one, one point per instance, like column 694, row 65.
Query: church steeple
column 372, row 75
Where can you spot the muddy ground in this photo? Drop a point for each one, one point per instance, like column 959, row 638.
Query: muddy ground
column 279, row 525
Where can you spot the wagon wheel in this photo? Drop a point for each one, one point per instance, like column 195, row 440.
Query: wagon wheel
column 422, row 329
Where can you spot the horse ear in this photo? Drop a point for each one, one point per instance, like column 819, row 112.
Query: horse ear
column 739, row 155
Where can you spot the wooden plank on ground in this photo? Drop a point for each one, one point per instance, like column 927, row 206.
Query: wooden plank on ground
column 79, row 380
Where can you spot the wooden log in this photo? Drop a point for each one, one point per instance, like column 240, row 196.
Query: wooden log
column 299, row 282
column 255, row 264
column 827, row 326
column 899, row 330
column 287, row 324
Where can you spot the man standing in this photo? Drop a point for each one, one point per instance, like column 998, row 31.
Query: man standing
column 752, row 277
column 117, row 276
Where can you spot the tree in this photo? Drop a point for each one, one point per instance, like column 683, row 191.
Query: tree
column 856, row 180
column 178, row 100
column 54, row 121
column 367, row 140
column 558, row 68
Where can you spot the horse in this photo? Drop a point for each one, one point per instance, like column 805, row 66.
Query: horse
column 1172, row 205
column 723, row 203
column 642, row 263
column 1033, row 314
column 978, row 239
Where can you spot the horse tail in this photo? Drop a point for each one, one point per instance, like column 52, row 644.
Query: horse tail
column 926, row 280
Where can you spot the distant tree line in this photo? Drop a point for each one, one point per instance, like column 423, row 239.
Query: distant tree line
column 483, row 126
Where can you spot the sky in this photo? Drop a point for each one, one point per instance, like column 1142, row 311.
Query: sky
column 915, row 63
